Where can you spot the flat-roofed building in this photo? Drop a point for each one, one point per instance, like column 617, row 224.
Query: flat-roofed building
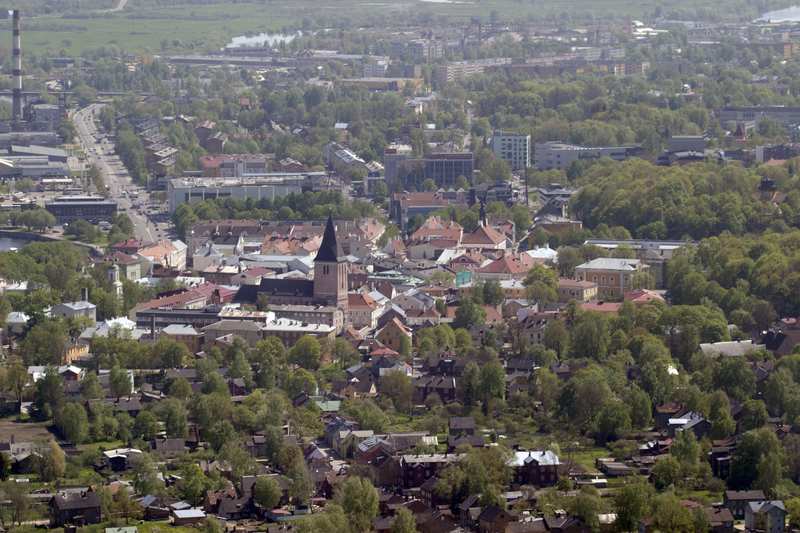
column 264, row 187
column 513, row 148
column 558, row 155
column 93, row 209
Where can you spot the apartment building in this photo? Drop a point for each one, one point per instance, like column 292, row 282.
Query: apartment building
column 513, row 148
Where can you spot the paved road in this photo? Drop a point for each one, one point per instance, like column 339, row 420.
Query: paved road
column 116, row 177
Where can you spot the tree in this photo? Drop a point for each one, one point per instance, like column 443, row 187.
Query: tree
column 221, row 432
column 173, row 414
column 145, row 426
column 686, row 449
column 469, row 314
column 735, row 377
column 632, row 503
column 666, row 472
column 169, row 353
column 344, row 352
column 556, row 337
column 669, row 515
column 267, row 492
column 641, row 407
column 119, row 382
column 541, row 284
column 746, row 462
column 90, row 387
column 300, row 380
column 793, row 507
column 180, row 389
column 17, row 494
column 145, row 476
column 405, row 347
column 193, row 483
column 612, row 421
column 590, row 336
column 471, row 384
column 586, row 506
column 16, row 378
column 302, row 486
column 359, row 499
column 306, row 353
column 125, row 506
column 398, row 386
column 52, row 462
column 492, row 381
column 493, row 293
column 754, row 415
column 73, row 423
column 404, row 521
column 240, row 368
column 49, row 399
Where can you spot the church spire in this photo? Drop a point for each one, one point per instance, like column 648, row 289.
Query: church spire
column 330, row 251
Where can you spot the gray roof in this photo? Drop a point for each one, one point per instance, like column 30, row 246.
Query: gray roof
column 611, row 263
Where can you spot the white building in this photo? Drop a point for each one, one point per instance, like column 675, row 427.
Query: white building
column 268, row 186
column 513, row 148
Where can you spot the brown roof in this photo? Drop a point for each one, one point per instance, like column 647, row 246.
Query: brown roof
column 484, row 235
column 504, row 265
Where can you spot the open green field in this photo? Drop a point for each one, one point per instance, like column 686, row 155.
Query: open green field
column 143, row 28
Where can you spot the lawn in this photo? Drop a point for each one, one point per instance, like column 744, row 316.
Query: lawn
column 199, row 28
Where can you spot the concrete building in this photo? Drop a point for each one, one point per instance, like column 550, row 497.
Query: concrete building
column 513, row 148
column 460, row 70
column 267, row 186
column 233, row 166
column 558, row 155
column 784, row 114
column 655, row 254
column 443, row 168
column 75, row 309
column 613, row 276
column 93, row 209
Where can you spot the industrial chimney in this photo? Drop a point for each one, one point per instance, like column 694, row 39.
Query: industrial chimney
column 16, row 111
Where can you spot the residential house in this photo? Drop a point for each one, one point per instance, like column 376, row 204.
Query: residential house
column 535, row 467
column 736, row 501
column 613, row 276
column 82, row 309
column 392, row 335
column 417, row 469
column 573, row 289
column 484, row 238
column 765, row 517
column 363, row 311
column 76, row 507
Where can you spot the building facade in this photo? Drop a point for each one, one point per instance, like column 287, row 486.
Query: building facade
column 513, row 148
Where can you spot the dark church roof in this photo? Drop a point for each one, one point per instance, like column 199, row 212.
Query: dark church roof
column 292, row 288
column 330, row 250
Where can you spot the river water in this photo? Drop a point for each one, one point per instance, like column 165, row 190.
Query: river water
column 7, row 244
column 789, row 14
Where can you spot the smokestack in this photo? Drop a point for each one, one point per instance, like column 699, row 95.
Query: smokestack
column 17, row 65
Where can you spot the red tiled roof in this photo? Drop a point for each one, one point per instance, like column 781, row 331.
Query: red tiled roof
column 201, row 292
column 643, row 296
column 484, row 235
column 601, row 307
column 504, row 265
column 359, row 299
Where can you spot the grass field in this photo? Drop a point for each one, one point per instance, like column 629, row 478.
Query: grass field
column 143, row 28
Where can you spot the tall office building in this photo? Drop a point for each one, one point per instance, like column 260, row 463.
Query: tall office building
column 513, row 148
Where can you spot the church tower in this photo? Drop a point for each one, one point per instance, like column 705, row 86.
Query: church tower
column 330, row 270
